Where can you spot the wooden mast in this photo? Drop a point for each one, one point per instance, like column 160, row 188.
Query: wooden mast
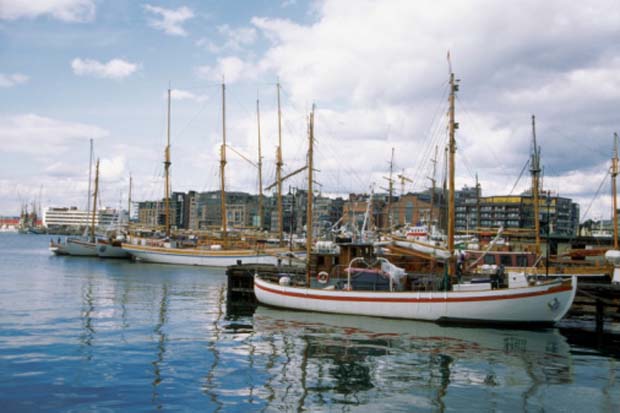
column 223, row 167
column 614, row 174
column 90, row 177
column 260, row 171
column 309, row 207
column 478, row 194
column 452, row 150
column 92, row 223
column 535, row 171
column 167, row 164
column 279, row 171
column 390, row 191
column 129, row 203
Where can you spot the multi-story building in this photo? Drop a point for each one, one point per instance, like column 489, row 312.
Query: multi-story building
column 515, row 212
column 73, row 218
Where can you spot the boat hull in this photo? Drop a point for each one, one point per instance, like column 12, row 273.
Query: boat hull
column 540, row 304
column 206, row 258
column 74, row 247
column 111, row 251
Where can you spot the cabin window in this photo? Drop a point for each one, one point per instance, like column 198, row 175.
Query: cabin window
column 320, row 260
column 506, row 260
column 489, row 259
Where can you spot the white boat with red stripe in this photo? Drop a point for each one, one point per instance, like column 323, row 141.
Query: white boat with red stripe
column 542, row 302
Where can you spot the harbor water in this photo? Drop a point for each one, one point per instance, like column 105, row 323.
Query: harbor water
column 86, row 334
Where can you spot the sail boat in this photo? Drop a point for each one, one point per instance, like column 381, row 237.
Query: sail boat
column 218, row 255
column 112, row 246
column 388, row 292
column 85, row 246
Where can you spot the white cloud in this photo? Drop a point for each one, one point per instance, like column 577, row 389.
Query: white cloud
column 34, row 134
column 62, row 169
column 171, row 20
column 235, row 39
column 178, row 94
column 383, row 65
column 12, row 80
column 114, row 69
column 580, row 85
column 231, row 67
column 65, row 10
column 112, row 169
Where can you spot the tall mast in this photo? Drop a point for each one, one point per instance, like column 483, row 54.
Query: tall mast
column 90, row 173
column 260, row 170
column 309, row 207
column 535, row 171
column 223, row 167
column 390, row 191
column 167, row 164
column 279, row 170
column 614, row 174
column 92, row 223
column 129, row 203
column 478, row 193
column 452, row 149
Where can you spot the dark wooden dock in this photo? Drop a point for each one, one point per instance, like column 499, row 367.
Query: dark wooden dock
column 240, row 293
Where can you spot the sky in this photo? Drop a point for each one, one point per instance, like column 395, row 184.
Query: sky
column 377, row 71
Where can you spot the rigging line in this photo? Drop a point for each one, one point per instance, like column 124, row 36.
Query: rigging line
column 585, row 214
column 201, row 108
column 433, row 136
column 474, row 124
column 527, row 162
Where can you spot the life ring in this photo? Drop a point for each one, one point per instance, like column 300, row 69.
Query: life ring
column 322, row 277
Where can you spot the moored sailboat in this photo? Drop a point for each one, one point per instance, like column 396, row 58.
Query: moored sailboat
column 224, row 251
column 85, row 246
column 518, row 301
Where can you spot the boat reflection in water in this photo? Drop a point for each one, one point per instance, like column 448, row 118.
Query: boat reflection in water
column 331, row 359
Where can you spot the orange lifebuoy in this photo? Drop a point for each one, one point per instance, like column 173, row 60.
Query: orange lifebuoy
column 322, row 277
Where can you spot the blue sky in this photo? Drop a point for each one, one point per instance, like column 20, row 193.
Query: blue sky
column 72, row 70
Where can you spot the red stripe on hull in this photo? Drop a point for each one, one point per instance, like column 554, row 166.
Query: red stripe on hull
column 559, row 288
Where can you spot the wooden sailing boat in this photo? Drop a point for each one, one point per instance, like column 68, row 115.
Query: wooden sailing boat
column 81, row 246
column 613, row 256
column 222, row 254
column 112, row 246
column 385, row 292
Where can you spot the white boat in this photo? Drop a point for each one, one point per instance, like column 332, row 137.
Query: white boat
column 111, row 249
column 540, row 303
column 79, row 247
column 523, row 301
column 205, row 257
column 84, row 246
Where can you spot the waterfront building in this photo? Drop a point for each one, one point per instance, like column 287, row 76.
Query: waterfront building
column 515, row 212
column 72, row 218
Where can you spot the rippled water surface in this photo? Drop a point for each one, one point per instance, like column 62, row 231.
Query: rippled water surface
column 83, row 334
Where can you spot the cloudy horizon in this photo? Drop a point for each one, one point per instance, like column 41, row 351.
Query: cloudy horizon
column 75, row 70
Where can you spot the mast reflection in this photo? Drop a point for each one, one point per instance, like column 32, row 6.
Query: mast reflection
column 161, row 346
column 346, row 360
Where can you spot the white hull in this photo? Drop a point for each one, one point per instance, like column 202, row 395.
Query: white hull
column 74, row 247
column 111, row 251
column 540, row 304
column 206, row 258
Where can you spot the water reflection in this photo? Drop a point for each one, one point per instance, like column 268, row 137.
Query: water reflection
column 351, row 360
column 86, row 314
column 159, row 331
column 210, row 385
